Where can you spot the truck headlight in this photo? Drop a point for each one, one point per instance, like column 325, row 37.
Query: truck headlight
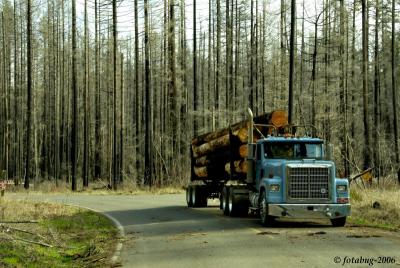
column 341, row 188
column 274, row 188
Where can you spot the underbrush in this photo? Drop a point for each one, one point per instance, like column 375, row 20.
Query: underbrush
column 36, row 234
column 99, row 187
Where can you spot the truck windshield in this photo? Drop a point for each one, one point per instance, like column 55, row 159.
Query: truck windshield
column 294, row 150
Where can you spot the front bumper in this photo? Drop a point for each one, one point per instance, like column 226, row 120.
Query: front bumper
column 309, row 211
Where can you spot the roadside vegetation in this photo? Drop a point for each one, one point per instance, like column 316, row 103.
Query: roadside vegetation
column 372, row 206
column 97, row 188
column 36, row 234
column 376, row 206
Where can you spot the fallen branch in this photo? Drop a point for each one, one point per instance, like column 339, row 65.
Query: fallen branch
column 21, row 230
column 34, row 242
column 18, row 222
column 95, row 260
column 9, row 237
column 104, row 184
column 361, row 174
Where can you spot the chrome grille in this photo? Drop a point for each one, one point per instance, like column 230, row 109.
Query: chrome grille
column 308, row 182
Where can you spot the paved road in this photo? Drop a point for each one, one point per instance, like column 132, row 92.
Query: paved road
column 160, row 231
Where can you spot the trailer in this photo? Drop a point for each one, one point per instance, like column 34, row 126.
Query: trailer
column 266, row 166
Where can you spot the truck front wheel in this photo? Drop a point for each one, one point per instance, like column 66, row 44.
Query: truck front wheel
column 266, row 220
column 338, row 222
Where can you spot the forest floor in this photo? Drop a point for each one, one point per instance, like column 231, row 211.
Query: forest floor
column 39, row 234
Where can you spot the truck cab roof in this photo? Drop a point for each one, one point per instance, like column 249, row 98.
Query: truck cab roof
column 290, row 139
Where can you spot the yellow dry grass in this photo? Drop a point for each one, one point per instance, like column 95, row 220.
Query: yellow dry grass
column 386, row 211
column 24, row 210
column 98, row 188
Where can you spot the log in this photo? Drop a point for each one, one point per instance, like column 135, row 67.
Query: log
column 216, row 144
column 217, row 134
column 221, row 143
column 212, row 152
column 209, row 171
column 204, row 161
column 277, row 118
column 215, row 158
column 201, row 172
column 240, row 136
column 240, row 166
column 243, row 135
column 243, row 152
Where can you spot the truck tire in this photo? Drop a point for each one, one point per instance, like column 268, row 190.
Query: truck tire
column 225, row 200
column 189, row 200
column 266, row 220
column 195, row 194
column 203, row 196
column 338, row 222
column 233, row 204
column 199, row 196
column 237, row 203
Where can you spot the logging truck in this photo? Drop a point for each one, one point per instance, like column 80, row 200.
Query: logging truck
column 265, row 166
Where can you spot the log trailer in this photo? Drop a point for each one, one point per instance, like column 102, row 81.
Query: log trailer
column 266, row 166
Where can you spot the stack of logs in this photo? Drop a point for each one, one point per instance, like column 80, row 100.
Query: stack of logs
column 213, row 153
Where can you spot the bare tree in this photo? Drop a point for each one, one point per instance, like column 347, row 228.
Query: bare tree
column 85, row 104
column 29, row 94
column 394, row 91
column 147, row 164
column 343, row 108
column 195, row 98
column 367, row 150
column 291, row 58
column 74, row 137
column 115, row 134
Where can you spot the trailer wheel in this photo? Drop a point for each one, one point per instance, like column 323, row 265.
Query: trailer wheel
column 225, row 200
column 338, row 222
column 195, row 194
column 189, row 200
column 199, row 196
column 203, row 196
column 232, row 204
column 266, row 220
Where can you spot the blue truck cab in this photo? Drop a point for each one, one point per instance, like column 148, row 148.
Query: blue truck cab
column 294, row 177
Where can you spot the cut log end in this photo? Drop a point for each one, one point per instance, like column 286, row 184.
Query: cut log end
column 279, row 118
column 239, row 166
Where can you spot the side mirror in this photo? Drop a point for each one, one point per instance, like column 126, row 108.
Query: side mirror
column 328, row 151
